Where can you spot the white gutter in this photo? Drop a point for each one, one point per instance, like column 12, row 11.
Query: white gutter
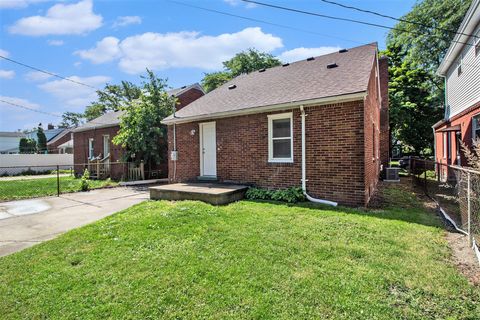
column 254, row 110
column 304, row 167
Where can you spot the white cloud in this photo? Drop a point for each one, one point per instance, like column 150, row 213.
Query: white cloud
column 235, row 3
column 15, row 4
column 303, row 53
column 77, row 18
column 105, row 50
column 37, row 76
column 15, row 117
column 55, row 42
column 126, row 20
column 4, row 53
column 7, row 74
column 159, row 51
column 72, row 94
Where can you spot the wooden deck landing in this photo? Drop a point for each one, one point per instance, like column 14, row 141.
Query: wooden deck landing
column 213, row 193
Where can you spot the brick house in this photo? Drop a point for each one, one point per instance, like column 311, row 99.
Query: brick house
column 249, row 130
column 61, row 143
column 94, row 138
column 461, row 70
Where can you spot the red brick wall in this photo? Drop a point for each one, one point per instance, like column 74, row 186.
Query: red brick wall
column 188, row 97
column 384, row 115
column 53, row 147
column 372, row 135
column 334, row 140
column 464, row 120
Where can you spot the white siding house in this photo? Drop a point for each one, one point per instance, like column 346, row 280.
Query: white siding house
column 9, row 141
column 461, row 70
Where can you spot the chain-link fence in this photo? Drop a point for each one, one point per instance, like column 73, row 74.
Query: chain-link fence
column 23, row 182
column 455, row 189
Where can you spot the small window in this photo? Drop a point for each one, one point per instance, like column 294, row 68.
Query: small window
column 445, row 145
column 476, row 40
column 90, row 148
column 449, row 145
column 280, row 138
column 374, row 142
column 106, row 145
column 476, row 127
column 459, row 65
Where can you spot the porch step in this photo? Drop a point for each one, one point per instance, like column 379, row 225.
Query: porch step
column 207, row 179
column 213, row 193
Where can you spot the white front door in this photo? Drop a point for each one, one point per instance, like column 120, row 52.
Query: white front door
column 208, row 149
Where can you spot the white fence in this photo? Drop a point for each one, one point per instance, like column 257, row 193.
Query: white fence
column 12, row 164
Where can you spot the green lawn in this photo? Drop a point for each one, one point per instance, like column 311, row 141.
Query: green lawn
column 246, row 260
column 31, row 188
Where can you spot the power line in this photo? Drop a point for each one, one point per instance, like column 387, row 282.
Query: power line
column 29, row 108
column 261, row 21
column 396, row 19
column 340, row 19
column 47, row 72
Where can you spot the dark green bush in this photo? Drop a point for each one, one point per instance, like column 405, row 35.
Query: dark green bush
column 290, row 195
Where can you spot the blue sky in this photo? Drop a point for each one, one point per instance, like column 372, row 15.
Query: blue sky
column 96, row 42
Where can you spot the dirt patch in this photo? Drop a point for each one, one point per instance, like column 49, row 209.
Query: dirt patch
column 463, row 257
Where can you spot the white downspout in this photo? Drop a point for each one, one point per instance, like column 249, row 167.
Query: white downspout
column 304, row 167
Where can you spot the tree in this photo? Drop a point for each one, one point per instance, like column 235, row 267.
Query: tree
column 140, row 126
column 71, row 119
column 112, row 98
column 415, row 50
column 27, row 145
column 243, row 62
column 41, row 140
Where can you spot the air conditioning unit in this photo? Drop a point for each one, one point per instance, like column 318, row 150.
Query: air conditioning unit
column 392, row 174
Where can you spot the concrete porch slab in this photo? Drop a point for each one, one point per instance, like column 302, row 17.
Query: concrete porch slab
column 213, row 193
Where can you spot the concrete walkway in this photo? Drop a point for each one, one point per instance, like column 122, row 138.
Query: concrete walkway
column 25, row 223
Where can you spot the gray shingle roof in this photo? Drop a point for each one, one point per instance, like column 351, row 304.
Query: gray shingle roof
column 110, row 119
column 299, row 81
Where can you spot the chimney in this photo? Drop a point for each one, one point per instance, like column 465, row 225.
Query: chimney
column 384, row 117
column 50, row 126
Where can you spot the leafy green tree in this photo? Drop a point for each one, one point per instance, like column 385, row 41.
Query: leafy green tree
column 141, row 130
column 27, row 145
column 415, row 48
column 71, row 119
column 243, row 62
column 41, row 140
column 112, row 98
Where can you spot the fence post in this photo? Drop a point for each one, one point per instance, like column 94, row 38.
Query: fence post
column 469, row 209
column 58, row 181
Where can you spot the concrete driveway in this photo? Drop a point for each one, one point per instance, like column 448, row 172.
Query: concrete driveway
column 25, row 223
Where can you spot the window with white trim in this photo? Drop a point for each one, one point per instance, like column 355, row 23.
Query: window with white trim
column 459, row 65
column 445, row 145
column 476, row 127
column 477, row 42
column 106, row 145
column 280, row 137
column 90, row 148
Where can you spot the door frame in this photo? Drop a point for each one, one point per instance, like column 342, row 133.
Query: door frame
column 201, row 145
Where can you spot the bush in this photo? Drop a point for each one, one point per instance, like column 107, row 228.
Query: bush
column 85, row 181
column 290, row 195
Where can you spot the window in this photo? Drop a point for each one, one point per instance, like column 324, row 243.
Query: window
column 445, row 145
column 459, row 65
column 106, row 145
column 90, row 148
column 374, row 142
column 449, row 145
column 476, row 127
column 280, row 138
column 477, row 42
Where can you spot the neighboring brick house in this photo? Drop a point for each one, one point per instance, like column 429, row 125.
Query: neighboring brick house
column 94, row 139
column 461, row 70
column 61, row 143
column 249, row 130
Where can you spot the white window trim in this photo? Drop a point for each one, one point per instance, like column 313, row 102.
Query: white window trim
column 91, row 151
column 108, row 141
column 272, row 117
column 474, row 126
column 445, row 145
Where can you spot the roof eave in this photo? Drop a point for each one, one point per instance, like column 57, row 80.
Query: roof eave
column 82, row 129
column 269, row 108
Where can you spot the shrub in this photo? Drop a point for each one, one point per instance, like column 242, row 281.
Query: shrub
column 290, row 195
column 85, row 181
